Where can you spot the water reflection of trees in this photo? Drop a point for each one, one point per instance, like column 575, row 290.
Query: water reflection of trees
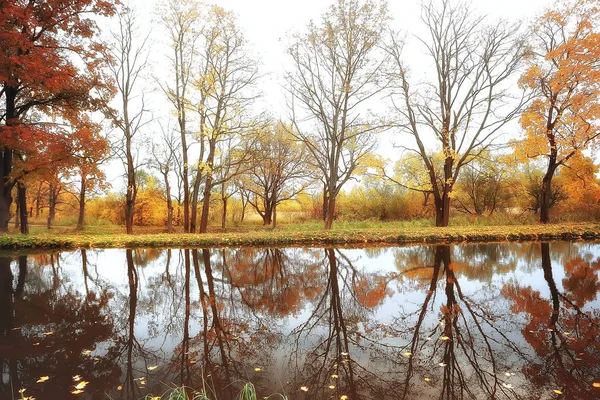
column 451, row 329
column 562, row 331
column 35, row 324
column 331, row 347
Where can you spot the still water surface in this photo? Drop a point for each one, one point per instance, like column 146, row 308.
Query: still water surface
column 494, row 321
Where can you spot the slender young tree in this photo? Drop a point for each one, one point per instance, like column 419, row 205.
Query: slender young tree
column 181, row 18
column 336, row 70
column 463, row 107
column 564, row 71
column 227, row 77
column 128, row 54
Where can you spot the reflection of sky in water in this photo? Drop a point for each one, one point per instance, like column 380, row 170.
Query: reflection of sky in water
column 160, row 308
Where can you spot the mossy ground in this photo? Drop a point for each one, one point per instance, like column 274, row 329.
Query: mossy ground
column 345, row 234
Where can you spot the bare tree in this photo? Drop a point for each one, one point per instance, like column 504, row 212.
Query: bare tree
column 466, row 103
column 278, row 171
column 336, row 70
column 226, row 78
column 181, row 20
column 128, row 54
column 164, row 156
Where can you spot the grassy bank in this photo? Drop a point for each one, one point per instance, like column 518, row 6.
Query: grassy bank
column 348, row 234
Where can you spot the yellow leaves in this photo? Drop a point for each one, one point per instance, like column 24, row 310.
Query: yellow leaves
column 152, row 368
column 48, row 333
column 530, row 78
column 427, row 379
column 42, row 379
column 557, row 391
column 77, row 391
column 81, row 385
column 304, row 388
column 334, row 376
column 407, row 354
column 343, row 397
column 596, row 384
column 257, row 369
column 444, row 338
column 86, row 352
column 76, row 378
column 331, row 386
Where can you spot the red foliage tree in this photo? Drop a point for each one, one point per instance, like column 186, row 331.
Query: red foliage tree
column 49, row 64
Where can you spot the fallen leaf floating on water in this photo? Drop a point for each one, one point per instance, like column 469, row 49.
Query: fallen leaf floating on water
column 304, row 388
column 76, row 378
column 81, row 385
column 567, row 333
column 42, row 379
column 119, row 387
column 257, row 369
column 557, row 391
column 444, row 338
column 442, row 364
column 508, row 385
column 331, row 387
column 334, row 376
column 596, row 384
column 77, row 391
column 344, row 397
column 193, row 361
column 427, row 379
column 86, row 352
column 152, row 368
column 36, row 344
column 407, row 354
column 155, row 398
column 49, row 333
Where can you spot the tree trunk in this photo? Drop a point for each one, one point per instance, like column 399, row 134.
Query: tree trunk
column 325, row 203
column 6, row 161
column 81, row 219
column 330, row 212
column 194, row 206
column 18, row 215
column 205, row 204
column 224, row 214
column 546, row 194
column 274, row 215
column 22, row 202
column 51, row 206
column 38, row 200
column 207, row 186
column 131, row 188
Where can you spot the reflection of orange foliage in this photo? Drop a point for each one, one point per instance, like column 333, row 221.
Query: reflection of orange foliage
column 371, row 293
column 581, row 281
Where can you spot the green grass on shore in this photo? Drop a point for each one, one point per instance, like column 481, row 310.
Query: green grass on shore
column 349, row 234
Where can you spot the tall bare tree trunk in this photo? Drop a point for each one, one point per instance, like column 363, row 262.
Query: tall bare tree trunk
column 22, row 201
column 81, row 219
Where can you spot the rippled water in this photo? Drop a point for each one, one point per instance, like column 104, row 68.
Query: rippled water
column 494, row 321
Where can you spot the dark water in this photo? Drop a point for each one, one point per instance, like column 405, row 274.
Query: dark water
column 498, row 321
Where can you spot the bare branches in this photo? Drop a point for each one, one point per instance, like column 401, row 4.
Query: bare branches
column 468, row 102
column 337, row 69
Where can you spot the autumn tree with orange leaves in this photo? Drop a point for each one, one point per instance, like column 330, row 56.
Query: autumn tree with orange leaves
column 49, row 63
column 564, row 70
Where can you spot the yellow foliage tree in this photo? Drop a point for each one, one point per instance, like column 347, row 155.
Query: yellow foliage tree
column 564, row 70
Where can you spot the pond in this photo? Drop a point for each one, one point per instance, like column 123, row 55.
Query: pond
column 473, row 321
